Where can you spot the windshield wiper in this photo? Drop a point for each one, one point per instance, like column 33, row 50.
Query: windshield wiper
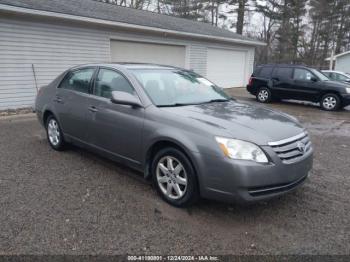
column 216, row 101
column 178, row 104
column 193, row 104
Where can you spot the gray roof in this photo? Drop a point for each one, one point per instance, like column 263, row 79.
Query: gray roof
column 98, row 10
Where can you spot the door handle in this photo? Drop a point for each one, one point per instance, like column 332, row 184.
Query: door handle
column 58, row 100
column 93, row 109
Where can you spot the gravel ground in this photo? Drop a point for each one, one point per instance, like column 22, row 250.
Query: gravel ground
column 20, row 111
column 78, row 203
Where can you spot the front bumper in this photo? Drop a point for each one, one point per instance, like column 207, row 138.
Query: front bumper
column 345, row 99
column 241, row 181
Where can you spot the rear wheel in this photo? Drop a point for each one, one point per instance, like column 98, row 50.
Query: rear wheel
column 264, row 95
column 174, row 177
column 54, row 134
column 330, row 102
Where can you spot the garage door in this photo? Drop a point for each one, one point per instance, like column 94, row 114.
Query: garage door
column 125, row 51
column 226, row 68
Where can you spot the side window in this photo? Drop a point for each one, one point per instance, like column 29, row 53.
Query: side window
column 108, row 81
column 256, row 71
column 331, row 76
column 265, row 72
column 302, row 74
column 78, row 80
column 283, row 72
column 340, row 77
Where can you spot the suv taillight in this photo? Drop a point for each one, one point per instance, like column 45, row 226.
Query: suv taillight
column 250, row 81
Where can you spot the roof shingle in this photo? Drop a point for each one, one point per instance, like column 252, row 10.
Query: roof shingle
column 99, row 10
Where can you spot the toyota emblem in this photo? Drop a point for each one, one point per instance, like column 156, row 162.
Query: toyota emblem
column 301, row 147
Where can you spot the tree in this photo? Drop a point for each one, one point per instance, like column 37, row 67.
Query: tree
column 270, row 11
column 240, row 15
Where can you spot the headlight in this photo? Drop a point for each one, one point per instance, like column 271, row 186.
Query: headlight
column 238, row 149
column 347, row 89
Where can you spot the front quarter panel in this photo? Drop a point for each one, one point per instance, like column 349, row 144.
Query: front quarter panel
column 194, row 139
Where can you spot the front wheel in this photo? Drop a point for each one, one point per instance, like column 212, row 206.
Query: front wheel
column 174, row 177
column 330, row 102
column 264, row 95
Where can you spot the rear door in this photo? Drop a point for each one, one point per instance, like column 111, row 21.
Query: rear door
column 282, row 82
column 70, row 102
column 114, row 128
column 262, row 77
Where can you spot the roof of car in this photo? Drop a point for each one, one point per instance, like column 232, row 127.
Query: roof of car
column 119, row 14
column 129, row 65
column 284, row 65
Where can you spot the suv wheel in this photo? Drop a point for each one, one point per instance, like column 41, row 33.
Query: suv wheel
column 330, row 102
column 174, row 177
column 263, row 95
column 54, row 134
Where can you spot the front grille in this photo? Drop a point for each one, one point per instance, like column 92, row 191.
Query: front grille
column 291, row 149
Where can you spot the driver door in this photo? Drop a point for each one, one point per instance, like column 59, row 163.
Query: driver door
column 305, row 84
column 113, row 128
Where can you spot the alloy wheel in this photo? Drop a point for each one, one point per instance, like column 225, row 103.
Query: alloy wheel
column 53, row 132
column 171, row 177
column 263, row 95
column 329, row 102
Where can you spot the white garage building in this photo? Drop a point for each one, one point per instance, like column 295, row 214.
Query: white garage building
column 41, row 39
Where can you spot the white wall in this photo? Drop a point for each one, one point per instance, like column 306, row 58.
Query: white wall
column 53, row 47
column 343, row 64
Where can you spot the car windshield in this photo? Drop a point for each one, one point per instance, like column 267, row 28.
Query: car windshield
column 175, row 87
column 320, row 75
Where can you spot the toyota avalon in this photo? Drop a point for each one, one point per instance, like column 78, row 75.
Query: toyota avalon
column 179, row 129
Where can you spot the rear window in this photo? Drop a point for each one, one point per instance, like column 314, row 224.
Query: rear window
column 256, row 71
column 283, row 72
column 265, row 72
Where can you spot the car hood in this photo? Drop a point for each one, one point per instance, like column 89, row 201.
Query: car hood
column 240, row 120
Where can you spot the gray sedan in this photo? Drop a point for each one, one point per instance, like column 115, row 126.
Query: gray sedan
column 182, row 131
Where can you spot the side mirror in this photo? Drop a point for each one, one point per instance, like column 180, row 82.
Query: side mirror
column 123, row 98
column 314, row 79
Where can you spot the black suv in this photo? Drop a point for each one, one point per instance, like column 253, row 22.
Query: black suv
column 276, row 82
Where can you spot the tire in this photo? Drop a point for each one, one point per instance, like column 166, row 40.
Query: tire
column 330, row 102
column 54, row 134
column 176, row 183
column 264, row 95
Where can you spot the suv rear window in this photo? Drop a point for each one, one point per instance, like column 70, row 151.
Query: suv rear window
column 265, row 72
column 283, row 72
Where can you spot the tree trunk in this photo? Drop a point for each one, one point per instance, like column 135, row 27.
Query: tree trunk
column 240, row 16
